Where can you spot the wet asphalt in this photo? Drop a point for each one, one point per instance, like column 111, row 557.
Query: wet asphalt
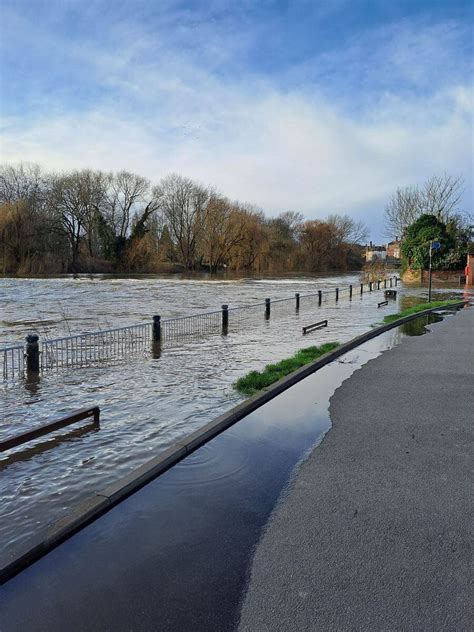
column 375, row 531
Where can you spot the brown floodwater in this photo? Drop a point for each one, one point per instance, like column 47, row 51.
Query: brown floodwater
column 146, row 403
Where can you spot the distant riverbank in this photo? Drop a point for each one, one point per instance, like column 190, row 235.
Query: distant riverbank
column 440, row 276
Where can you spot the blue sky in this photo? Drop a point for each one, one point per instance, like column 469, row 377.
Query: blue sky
column 319, row 107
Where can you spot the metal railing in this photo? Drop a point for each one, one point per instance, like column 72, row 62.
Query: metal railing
column 30, row 435
column 193, row 325
column 96, row 347
column 318, row 325
column 13, row 361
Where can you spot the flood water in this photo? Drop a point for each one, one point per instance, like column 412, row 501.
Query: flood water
column 179, row 550
column 146, row 403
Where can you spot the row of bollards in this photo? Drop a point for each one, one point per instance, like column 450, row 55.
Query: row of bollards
column 267, row 312
column 32, row 355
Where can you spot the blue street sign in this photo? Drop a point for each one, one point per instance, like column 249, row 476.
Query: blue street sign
column 435, row 245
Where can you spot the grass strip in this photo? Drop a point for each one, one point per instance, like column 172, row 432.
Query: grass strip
column 418, row 308
column 257, row 380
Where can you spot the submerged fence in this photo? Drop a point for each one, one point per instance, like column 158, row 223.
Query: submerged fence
column 13, row 361
column 113, row 344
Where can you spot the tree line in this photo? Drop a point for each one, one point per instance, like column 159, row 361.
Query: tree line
column 91, row 221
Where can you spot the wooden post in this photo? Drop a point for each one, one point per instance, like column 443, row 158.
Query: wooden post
column 267, row 308
column 156, row 328
column 297, row 297
column 32, row 353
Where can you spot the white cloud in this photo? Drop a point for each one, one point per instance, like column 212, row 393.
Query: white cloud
column 251, row 138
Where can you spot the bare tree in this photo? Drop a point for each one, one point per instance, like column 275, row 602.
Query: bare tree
column 91, row 187
column 66, row 203
column 22, row 182
column 441, row 196
column 185, row 206
column 126, row 195
column 290, row 223
column 403, row 208
column 349, row 231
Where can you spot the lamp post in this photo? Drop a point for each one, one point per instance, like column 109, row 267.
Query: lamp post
column 434, row 245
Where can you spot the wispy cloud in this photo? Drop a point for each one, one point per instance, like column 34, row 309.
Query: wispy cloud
column 181, row 91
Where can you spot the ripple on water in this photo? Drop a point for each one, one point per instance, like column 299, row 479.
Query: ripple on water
column 212, row 464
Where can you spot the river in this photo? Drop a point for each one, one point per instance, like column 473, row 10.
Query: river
column 146, row 403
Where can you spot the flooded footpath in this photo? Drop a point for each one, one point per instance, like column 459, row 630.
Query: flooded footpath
column 177, row 553
column 146, row 402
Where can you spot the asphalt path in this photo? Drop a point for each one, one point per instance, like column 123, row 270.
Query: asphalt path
column 375, row 530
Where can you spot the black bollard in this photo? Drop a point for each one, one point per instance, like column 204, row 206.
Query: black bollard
column 225, row 319
column 337, row 294
column 156, row 328
column 297, row 297
column 350, row 291
column 32, row 354
column 378, row 284
column 267, row 308
column 370, row 286
column 361, row 288
column 156, row 350
column 320, row 297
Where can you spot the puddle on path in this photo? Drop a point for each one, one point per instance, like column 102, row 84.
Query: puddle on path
column 419, row 326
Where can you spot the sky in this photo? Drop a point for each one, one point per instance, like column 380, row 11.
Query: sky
column 323, row 106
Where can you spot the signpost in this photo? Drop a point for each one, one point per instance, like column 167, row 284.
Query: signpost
column 434, row 245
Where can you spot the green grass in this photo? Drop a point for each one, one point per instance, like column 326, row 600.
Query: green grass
column 418, row 308
column 257, row 380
